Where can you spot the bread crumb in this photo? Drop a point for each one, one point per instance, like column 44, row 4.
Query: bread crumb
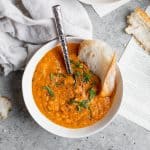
column 5, row 107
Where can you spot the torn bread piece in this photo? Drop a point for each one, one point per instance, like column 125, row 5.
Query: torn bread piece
column 5, row 107
column 101, row 60
column 139, row 26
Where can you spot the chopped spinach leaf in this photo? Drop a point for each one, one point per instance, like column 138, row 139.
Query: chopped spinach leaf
column 86, row 77
column 84, row 103
column 79, row 105
column 49, row 90
column 72, row 101
column 51, row 76
column 92, row 93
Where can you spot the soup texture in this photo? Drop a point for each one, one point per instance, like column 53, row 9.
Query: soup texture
column 72, row 101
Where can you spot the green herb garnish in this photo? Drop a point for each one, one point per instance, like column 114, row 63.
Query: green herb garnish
column 72, row 101
column 80, row 105
column 59, row 83
column 71, row 61
column 51, row 76
column 77, row 73
column 86, row 77
column 92, row 93
column 79, row 65
column 84, row 103
column 61, row 75
column 75, row 76
column 49, row 90
column 76, row 64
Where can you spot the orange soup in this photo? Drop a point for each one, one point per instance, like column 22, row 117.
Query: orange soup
column 72, row 101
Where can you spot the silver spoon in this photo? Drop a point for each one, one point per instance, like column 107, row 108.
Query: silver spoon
column 62, row 37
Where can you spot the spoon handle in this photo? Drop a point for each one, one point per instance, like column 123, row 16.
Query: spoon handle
column 62, row 37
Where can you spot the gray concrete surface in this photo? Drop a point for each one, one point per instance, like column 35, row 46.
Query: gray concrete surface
column 20, row 132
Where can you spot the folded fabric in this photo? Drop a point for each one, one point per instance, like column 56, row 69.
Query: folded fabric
column 40, row 28
column 12, row 53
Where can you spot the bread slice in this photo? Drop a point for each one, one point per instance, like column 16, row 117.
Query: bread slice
column 139, row 26
column 101, row 60
column 5, row 106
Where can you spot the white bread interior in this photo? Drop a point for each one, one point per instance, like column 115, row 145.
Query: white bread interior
column 101, row 60
column 139, row 26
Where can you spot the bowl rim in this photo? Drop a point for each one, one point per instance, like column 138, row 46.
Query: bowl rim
column 40, row 118
column 103, row 2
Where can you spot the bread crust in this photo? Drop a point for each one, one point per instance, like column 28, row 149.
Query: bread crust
column 143, row 15
column 101, row 60
column 109, row 86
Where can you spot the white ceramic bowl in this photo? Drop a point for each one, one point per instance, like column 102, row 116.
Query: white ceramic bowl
column 99, row 1
column 46, row 123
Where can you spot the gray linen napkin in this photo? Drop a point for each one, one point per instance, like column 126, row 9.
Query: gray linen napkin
column 21, row 36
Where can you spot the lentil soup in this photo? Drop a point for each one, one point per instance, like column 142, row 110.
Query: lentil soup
column 72, row 101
